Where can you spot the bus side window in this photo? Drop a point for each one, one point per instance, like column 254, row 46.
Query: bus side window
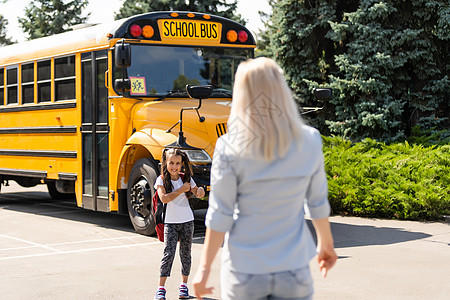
column 11, row 85
column 2, row 86
column 44, row 80
column 65, row 78
column 28, row 83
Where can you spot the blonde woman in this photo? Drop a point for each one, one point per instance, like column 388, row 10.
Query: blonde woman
column 264, row 170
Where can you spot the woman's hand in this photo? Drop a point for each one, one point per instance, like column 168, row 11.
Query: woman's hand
column 199, row 283
column 200, row 193
column 326, row 257
column 212, row 244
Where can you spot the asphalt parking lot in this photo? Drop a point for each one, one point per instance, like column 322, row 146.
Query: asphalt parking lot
column 54, row 250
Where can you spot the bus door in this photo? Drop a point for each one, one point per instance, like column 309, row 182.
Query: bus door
column 95, row 130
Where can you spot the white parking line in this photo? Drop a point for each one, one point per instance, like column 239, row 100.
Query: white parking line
column 29, row 242
column 78, row 250
column 72, row 243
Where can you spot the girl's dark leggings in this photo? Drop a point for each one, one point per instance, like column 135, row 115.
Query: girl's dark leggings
column 172, row 233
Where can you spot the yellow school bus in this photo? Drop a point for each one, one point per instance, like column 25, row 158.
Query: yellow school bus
column 89, row 111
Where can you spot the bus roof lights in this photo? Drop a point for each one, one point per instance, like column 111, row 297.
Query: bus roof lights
column 190, row 15
column 242, row 36
column 135, row 30
column 148, row 31
column 174, row 14
column 232, row 36
column 207, row 17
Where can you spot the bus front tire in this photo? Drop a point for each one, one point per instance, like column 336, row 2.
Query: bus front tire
column 140, row 192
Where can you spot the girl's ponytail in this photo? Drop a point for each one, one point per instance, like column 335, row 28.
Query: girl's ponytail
column 187, row 176
column 165, row 173
column 187, row 167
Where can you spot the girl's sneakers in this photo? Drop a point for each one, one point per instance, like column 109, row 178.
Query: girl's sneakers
column 184, row 292
column 160, row 294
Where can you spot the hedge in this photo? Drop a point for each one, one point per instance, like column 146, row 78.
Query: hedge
column 397, row 181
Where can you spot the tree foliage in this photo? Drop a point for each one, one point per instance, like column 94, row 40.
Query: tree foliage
column 387, row 62
column 4, row 40
column 263, row 37
column 215, row 7
column 48, row 17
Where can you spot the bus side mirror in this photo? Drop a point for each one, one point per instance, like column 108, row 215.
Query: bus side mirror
column 323, row 93
column 199, row 91
column 122, row 58
column 122, row 54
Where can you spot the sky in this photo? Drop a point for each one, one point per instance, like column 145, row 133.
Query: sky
column 103, row 11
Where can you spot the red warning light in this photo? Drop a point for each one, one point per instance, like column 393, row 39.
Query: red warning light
column 135, row 31
column 242, row 36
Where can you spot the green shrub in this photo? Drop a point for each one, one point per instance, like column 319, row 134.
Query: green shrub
column 429, row 137
column 398, row 181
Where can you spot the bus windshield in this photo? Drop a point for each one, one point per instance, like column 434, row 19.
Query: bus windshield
column 156, row 70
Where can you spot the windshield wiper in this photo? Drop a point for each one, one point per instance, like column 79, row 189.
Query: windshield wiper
column 223, row 92
column 174, row 92
column 170, row 93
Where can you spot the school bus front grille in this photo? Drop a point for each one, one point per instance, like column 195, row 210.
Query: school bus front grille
column 221, row 129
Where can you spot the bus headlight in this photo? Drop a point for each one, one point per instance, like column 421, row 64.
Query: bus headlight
column 198, row 156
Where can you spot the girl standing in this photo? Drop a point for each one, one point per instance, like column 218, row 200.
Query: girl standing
column 172, row 187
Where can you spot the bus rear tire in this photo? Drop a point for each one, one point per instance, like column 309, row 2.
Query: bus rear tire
column 140, row 192
column 51, row 186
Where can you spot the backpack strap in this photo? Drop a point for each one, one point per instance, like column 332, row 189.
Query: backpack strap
column 164, row 204
column 164, row 207
column 164, row 212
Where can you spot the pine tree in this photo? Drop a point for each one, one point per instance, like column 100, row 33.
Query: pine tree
column 215, row 7
column 48, row 17
column 387, row 62
column 298, row 43
column 395, row 73
column 263, row 38
column 4, row 40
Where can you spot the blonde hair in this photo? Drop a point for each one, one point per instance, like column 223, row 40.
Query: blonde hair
column 264, row 118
